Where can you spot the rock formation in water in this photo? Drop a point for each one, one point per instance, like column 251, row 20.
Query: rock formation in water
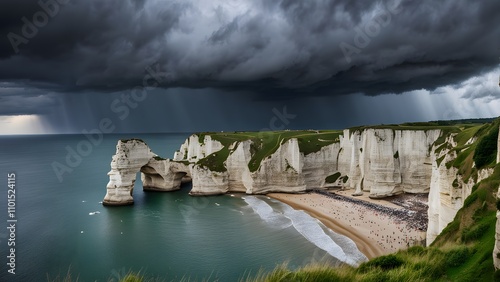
column 130, row 156
column 133, row 156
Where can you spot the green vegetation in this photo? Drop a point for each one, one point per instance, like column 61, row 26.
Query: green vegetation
column 384, row 263
column 469, row 156
column 263, row 148
column 158, row 158
column 440, row 160
column 332, row 178
column 215, row 161
column 458, row 256
column 471, row 199
column 313, row 143
column 442, row 147
column 475, row 232
column 414, row 264
column 463, row 121
column 319, row 273
column 486, row 150
column 345, row 178
column 465, row 135
column 396, row 155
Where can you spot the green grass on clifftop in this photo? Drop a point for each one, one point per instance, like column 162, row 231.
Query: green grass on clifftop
column 471, row 156
column 215, row 161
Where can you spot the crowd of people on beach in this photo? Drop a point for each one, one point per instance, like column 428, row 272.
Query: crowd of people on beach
column 413, row 219
column 385, row 224
column 391, row 228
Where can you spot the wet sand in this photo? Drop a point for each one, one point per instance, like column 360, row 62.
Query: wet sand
column 378, row 227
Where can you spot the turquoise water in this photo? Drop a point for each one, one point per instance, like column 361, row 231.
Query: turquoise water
column 62, row 225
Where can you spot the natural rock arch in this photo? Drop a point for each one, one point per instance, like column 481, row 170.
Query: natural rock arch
column 157, row 174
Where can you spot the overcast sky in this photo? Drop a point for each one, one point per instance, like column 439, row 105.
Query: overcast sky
column 197, row 65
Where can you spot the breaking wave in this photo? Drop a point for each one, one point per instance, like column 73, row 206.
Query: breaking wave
column 267, row 213
column 336, row 245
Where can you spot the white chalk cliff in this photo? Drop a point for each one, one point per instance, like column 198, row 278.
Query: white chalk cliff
column 382, row 162
column 379, row 162
column 386, row 162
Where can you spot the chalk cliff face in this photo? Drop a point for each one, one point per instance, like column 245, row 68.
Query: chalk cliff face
column 386, row 162
column 381, row 162
column 496, row 249
column 192, row 150
column 237, row 167
column 207, row 182
column 280, row 172
column 318, row 165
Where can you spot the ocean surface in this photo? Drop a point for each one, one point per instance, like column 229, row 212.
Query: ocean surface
column 62, row 226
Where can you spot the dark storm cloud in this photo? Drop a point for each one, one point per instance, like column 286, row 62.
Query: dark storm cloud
column 277, row 48
column 17, row 100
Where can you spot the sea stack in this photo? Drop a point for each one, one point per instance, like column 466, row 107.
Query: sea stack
column 130, row 156
column 157, row 174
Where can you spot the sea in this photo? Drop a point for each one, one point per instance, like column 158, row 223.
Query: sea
column 61, row 228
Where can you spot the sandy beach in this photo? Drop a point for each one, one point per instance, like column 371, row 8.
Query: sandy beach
column 377, row 228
